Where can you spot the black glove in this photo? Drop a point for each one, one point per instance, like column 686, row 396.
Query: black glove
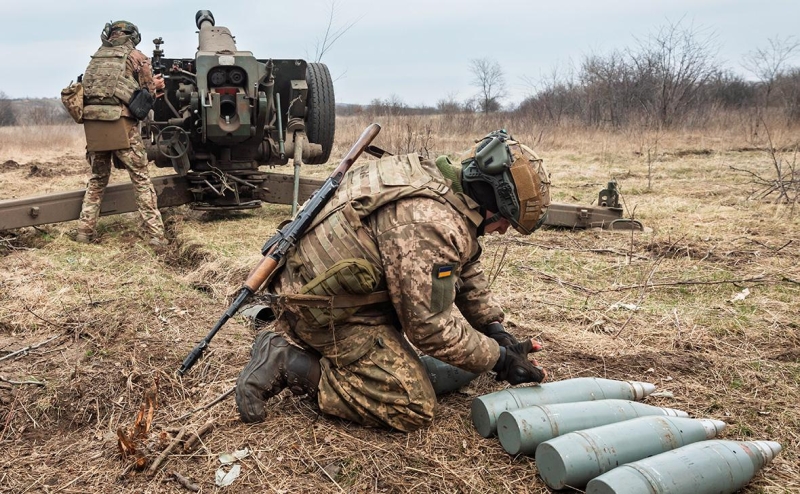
column 514, row 367
column 496, row 332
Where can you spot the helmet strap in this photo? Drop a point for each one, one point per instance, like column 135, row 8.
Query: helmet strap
column 496, row 217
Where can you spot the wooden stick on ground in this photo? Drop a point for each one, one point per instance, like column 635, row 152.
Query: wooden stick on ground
column 9, row 381
column 28, row 348
column 194, row 439
column 204, row 407
column 186, row 483
column 158, row 461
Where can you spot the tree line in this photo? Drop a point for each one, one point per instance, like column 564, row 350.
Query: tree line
column 670, row 78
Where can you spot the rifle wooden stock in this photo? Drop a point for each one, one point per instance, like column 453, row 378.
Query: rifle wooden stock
column 277, row 246
column 260, row 273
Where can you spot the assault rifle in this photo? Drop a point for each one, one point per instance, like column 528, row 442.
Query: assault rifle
column 277, row 247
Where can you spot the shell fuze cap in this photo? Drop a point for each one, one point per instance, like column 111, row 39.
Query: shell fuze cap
column 128, row 28
column 509, row 179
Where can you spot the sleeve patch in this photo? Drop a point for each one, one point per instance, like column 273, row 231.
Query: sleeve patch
column 443, row 286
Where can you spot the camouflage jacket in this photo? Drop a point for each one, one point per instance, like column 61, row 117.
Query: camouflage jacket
column 401, row 215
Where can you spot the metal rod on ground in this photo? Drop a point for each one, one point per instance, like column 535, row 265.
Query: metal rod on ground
column 298, row 162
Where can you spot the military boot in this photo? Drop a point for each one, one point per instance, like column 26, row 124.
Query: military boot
column 274, row 364
column 83, row 238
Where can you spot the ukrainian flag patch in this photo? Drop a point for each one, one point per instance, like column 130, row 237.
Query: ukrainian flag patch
column 443, row 271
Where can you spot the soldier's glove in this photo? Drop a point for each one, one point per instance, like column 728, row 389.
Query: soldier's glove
column 496, row 332
column 514, row 367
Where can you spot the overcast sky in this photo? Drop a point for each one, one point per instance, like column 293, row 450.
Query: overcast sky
column 418, row 50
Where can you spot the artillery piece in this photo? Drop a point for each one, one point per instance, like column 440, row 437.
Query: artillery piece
column 225, row 113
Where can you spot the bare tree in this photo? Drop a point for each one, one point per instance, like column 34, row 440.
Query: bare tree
column 7, row 115
column 552, row 95
column 449, row 104
column 768, row 63
column 490, row 81
column 678, row 61
column 611, row 93
column 332, row 33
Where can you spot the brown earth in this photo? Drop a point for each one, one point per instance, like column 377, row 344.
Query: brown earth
column 111, row 320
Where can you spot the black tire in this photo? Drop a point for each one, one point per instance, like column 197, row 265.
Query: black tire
column 321, row 114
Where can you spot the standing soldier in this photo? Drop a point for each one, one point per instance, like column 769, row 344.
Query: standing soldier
column 387, row 259
column 119, row 90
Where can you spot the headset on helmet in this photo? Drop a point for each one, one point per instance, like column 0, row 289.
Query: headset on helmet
column 508, row 178
column 126, row 27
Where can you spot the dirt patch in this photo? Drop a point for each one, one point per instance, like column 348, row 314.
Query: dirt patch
column 23, row 239
column 690, row 152
column 37, row 171
column 10, row 165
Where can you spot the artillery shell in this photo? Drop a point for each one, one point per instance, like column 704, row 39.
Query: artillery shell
column 708, row 467
column 445, row 377
column 522, row 430
column 572, row 460
column 486, row 408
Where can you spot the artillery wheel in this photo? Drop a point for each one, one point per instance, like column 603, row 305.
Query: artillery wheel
column 321, row 114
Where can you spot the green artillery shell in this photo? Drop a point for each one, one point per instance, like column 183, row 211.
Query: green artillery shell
column 708, row 467
column 445, row 377
column 522, row 430
column 576, row 458
column 486, row 408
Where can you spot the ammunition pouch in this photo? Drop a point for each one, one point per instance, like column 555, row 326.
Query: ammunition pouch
column 72, row 98
column 102, row 135
column 337, row 293
column 141, row 103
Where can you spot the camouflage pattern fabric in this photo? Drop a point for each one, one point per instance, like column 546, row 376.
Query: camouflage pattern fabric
column 425, row 246
column 134, row 160
column 386, row 387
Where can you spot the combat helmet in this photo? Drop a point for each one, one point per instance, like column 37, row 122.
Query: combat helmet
column 128, row 28
column 509, row 179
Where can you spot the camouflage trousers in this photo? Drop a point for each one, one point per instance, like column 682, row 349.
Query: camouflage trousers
column 134, row 159
column 373, row 377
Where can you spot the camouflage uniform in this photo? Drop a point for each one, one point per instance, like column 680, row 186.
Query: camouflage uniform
column 401, row 215
column 134, row 158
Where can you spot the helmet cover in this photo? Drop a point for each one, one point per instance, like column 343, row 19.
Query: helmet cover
column 516, row 175
column 127, row 28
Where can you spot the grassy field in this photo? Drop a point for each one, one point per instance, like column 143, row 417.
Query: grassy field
column 704, row 304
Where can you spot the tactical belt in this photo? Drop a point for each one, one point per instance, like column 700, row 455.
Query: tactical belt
column 323, row 302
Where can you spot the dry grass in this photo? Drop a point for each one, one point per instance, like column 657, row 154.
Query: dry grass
column 123, row 315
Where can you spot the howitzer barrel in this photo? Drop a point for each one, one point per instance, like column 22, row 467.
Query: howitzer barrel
column 487, row 408
column 210, row 37
column 522, row 430
column 708, row 467
column 572, row 460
